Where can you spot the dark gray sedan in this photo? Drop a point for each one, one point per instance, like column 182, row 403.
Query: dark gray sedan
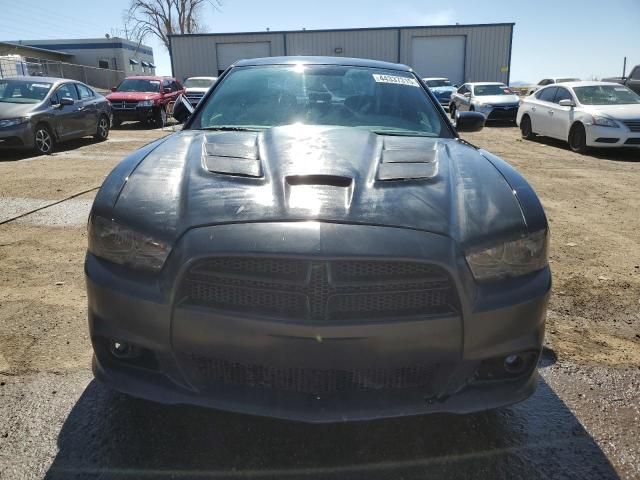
column 38, row 112
column 318, row 244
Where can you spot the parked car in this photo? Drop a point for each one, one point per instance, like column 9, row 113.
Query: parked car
column 441, row 88
column 36, row 113
column 144, row 99
column 494, row 100
column 196, row 87
column 632, row 81
column 585, row 114
column 318, row 244
column 550, row 81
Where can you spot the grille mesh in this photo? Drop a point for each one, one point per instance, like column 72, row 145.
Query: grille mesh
column 309, row 380
column 319, row 291
column 634, row 125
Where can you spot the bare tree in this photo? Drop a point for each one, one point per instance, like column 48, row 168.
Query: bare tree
column 165, row 17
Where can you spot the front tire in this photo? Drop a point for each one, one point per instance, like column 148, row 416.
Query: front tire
column 102, row 130
column 578, row 139
column 160, row 117
column 525, row 128
column 43, row 142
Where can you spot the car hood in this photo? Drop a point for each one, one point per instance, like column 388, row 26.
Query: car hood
column 13, row 110
column 620, row 112
column 332, row 174
column 498, row 99
column 119, row 96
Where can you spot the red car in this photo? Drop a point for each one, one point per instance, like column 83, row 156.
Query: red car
column 144, row 99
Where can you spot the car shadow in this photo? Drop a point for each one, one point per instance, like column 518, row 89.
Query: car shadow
column 623, row 154
column 15, row 155
column 108, row 435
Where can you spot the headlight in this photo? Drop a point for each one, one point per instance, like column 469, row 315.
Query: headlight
column 10, row 122
column 124, row 246
column 484, row 105
column 510, row 259
column 604, row 122
column 145, row 103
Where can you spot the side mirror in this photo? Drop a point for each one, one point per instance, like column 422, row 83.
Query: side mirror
column 470, row 121
column 565, row 102
column 66, row 101
column 114, row 89
column 182, row 109
column 167, row 90
column 467, row 94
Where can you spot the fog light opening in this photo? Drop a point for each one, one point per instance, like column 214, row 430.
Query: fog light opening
column 514, row 364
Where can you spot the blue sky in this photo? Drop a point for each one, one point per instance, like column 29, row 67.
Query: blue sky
column 581, row 38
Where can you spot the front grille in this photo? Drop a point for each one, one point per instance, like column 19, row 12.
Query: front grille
column 194, row 97
column 633, row 125
column 209, row 372
column 318, row 291
column 503, row 113
column 124, row 105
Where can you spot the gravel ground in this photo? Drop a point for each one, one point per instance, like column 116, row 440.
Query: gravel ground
column 583, row 422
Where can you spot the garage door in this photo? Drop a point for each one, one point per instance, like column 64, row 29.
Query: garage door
column 441, row 56
column 228, row 53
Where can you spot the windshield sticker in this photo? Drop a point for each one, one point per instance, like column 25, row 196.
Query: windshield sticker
column 620, row 89
column 41, row 85
column 395, row 79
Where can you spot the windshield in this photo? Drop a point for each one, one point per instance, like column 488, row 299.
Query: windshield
column 606, row 95
column 270, row 96
column 484, row 90
column 438, row 83
column 22, row 91
column 139, row 85
column 199, row 82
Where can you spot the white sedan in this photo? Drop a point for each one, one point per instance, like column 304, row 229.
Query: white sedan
column 585, row 114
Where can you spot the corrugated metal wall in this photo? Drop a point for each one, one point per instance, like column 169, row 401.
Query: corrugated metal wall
column 374, row 44
column 487, row 56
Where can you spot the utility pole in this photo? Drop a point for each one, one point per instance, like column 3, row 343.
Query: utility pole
column 624, row 67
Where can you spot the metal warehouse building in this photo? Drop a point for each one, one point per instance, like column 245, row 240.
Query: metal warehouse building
column 463, row 53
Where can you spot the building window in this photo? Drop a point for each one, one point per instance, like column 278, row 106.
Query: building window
column 103, row 63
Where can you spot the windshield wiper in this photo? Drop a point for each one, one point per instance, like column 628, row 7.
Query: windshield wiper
column 228, row 128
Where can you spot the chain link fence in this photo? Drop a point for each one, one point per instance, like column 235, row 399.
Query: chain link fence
column 100, row 78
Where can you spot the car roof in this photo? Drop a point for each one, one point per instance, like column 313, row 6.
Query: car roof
column 33, row 78
column 485, row 83
column 434, row 78
column 201, row 78
column 150, row 77
column 584, row 83
column 350, row 62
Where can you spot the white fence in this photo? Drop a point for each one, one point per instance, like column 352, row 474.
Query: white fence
column 102, row 78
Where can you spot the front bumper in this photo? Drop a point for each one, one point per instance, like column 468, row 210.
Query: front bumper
column 145, row 311
column 138, row 114
column 608, row 137
column 17, row 137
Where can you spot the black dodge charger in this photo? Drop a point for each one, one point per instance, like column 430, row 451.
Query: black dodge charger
column 318, row 244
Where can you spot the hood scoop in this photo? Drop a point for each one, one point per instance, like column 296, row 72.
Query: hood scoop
column 405, row 158
column 312, row 192
column 232, row 153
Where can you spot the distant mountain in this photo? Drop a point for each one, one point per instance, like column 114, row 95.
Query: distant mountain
column 519, row 83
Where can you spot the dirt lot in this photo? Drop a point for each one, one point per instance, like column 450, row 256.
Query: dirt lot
column 583, row 422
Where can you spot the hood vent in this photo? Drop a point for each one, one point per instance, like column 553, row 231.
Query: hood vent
column 232, row 153
column 405, row 158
